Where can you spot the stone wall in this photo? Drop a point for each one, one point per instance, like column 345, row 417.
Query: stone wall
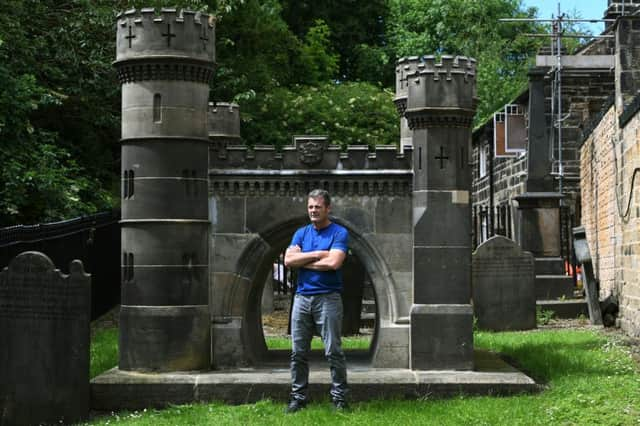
column 255, row 211
column 509, row 176
column 598, row 199
column 609, row 157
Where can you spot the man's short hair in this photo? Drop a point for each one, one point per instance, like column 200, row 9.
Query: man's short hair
column 321, row 193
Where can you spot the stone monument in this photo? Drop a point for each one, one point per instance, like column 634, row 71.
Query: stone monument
column 164, row 63
column 503, row 282
column 440, row 108
column 44, row 341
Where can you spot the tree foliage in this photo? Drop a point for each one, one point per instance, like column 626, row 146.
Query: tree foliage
column 355, row 113
column 295, row 66
column 470, row 28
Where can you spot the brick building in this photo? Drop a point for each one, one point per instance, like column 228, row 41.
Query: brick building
column 610, row 162
column 600, row 157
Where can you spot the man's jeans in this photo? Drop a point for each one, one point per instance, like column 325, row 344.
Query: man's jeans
column 321, row 312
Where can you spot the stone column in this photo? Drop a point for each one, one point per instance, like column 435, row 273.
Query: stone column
column 537, row 228
column 404, row 67
column 164, row 63
column 539, row 178
column 440, row 108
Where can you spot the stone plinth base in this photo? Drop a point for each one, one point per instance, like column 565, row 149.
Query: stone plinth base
column 539, row 218
column 441, row 337
column 116, row 390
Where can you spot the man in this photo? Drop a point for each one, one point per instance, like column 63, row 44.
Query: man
column 318, row 250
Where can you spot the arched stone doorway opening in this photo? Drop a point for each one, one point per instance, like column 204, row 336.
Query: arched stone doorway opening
column 359, row 308
column 261, row 252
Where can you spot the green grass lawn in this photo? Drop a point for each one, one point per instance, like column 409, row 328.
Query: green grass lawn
column 590, row 376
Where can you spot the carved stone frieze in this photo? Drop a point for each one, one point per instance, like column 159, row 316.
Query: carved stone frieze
column 131, row 71
column 439, row 117
column 259, row 186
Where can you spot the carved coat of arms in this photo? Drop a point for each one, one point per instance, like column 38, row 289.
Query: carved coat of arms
column 310, row 149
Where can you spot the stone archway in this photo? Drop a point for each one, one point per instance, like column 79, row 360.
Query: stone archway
column 246, row 346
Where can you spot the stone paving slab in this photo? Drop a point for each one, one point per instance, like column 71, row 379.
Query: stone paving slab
column 115, row 389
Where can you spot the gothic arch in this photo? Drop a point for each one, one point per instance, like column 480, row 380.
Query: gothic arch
column 255, row 263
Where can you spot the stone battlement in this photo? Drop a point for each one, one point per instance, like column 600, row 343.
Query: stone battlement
column 224, row 121
column 446, row 67
column 146, row 33
column 311, row 153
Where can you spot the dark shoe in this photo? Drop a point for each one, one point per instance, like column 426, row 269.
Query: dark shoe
column 295, row 405
column 341, row 406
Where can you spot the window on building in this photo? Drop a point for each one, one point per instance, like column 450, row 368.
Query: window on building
column 483, row 155
column 515, row 129
column 510, row 131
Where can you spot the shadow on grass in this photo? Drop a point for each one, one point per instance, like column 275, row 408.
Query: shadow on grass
column 552, row 357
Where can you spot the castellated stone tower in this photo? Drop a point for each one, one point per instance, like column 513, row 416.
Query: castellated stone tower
column 164, row 63
column 441, row 104
column 404, row 67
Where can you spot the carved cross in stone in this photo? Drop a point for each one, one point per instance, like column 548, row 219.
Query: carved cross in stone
column 168, row 35
column 204, row 37
column 130, row 36
column 442, row 157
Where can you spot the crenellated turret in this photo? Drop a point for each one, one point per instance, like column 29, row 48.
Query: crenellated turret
column 442, row 92
column 147, row 35
column 164, row 63
column 224, row 128
column 440, row 108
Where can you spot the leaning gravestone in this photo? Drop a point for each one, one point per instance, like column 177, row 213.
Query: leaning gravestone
column 44, row 342
column 503, row 284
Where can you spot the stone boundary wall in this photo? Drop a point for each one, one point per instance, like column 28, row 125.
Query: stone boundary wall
column 609, row 157
column 597, row 181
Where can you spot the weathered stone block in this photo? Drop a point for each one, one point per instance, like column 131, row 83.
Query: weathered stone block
column 392, row 346
column 396, row 249
column 229, row 295
column 442, row 275
column 393, row 215
column 167, row 338
column 188, row 285
column 227, row 214
column 441, row 337
column 226, row 250
column 267, row 213
column 450, row 211
column 226, row 343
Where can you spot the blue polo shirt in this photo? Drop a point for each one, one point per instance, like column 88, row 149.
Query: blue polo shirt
column 332, row 237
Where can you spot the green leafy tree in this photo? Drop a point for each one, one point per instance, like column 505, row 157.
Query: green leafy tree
column 355, row 26
column 355, row 113
column 470, row 28
column 317, row 62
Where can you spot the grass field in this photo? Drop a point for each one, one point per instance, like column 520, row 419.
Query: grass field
column 590, row 377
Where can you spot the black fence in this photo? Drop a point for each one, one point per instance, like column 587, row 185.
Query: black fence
column 95, row 240
column 488, row 222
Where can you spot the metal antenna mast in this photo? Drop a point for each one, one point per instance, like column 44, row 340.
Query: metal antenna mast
column 557, row 34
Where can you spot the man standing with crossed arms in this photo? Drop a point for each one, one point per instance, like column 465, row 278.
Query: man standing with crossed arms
column 318, row 250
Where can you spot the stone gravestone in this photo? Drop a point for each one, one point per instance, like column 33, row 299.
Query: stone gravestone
column 44, row 342
column 503, row 285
